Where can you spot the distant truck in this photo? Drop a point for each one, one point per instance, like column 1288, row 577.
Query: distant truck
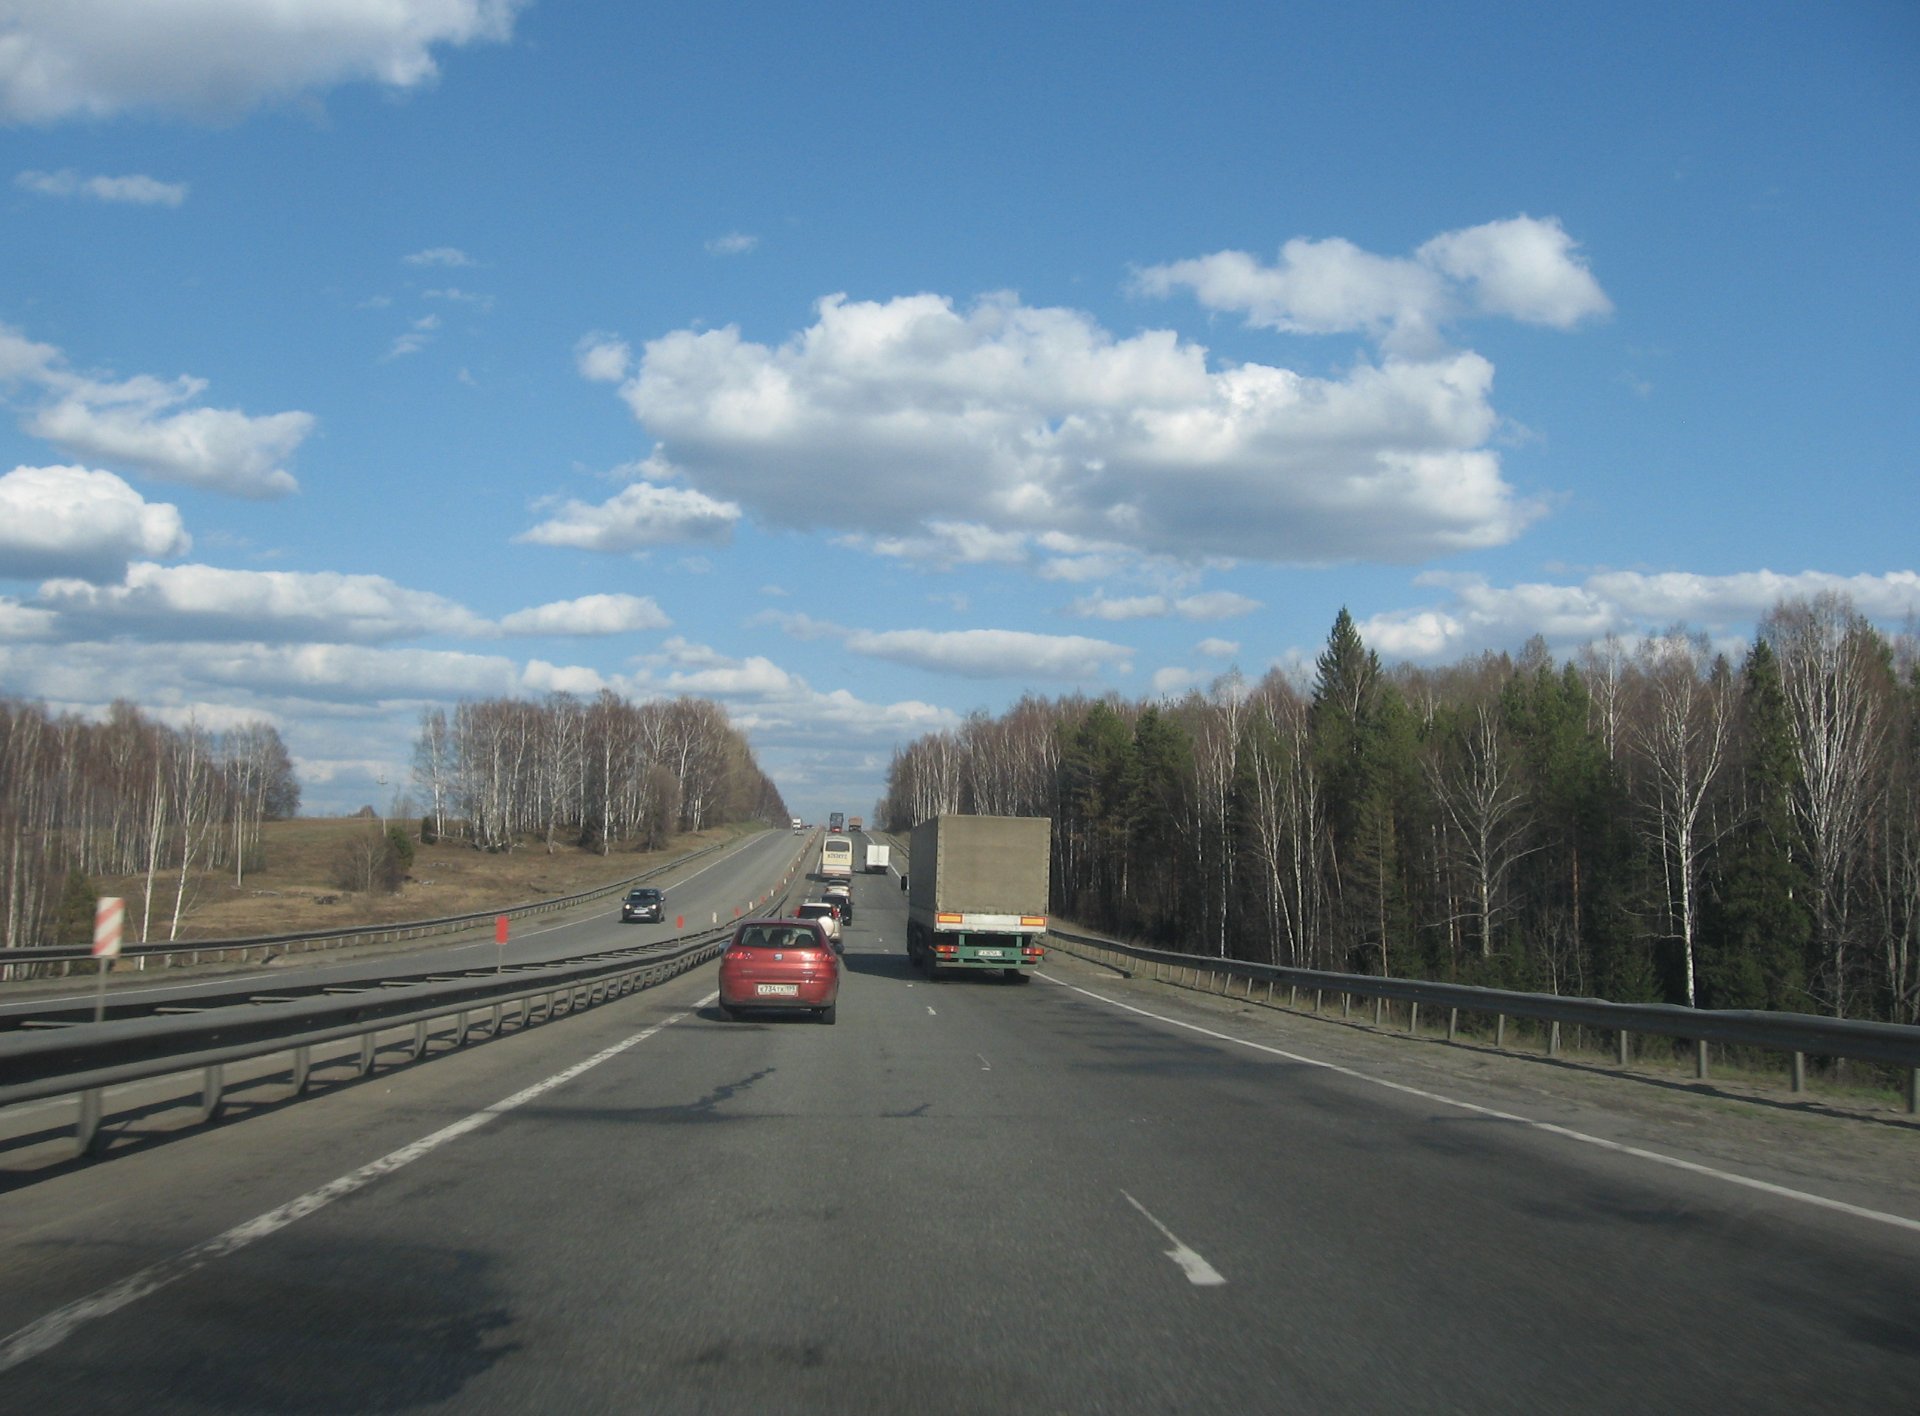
column 878, row 858
column 855, row 823
column 837, row 822
column 836, row 858
column 977, row 893
column 796, row 824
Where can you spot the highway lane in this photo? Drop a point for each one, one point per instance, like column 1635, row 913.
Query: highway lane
column 712, row 887
column 965, row 1195
column 703, row 891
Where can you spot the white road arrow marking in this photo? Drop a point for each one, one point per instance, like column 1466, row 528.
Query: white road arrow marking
column 1199, row 1272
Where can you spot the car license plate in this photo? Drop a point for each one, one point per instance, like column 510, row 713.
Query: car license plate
column 784, row 990
column 990, row 953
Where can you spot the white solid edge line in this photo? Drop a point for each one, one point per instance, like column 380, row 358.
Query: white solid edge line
column 1199, row 1272
column 49, row 1331
column 1693, row 1167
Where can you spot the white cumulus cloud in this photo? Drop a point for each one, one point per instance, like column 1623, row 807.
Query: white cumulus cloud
column 956, row 435
column 603, row 358
column 1210, row 605
column 994, row 653
column 1477, row 615
column 780, row 709
column 92, row 58
column 450, row 257
column 72, row 521
column 136, row 190
column 637, row 518
column 1214, row 605
column 145, row 423
column 220, row 449
column 1525, row 269
column 589, row 615
column 205, row 603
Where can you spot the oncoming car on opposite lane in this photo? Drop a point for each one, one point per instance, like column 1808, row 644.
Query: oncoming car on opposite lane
column 643, row 903
column 780, row 963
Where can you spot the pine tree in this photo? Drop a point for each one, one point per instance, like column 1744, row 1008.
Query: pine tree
column 1097, row 772
column 1362, row 742
column 1159, row 839
column 1582, row 883
column 1759, row 928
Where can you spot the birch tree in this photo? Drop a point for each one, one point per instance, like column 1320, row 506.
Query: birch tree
column 1833, row 672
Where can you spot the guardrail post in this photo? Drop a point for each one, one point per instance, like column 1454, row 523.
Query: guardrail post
column 302, row 1069
column 1316, row 1000
column 213, row 1086
column 86, row 1130
column 419, row 1041
column 1623, row 1047
column 1346, row 1004
column 1553, row 1038
column 1413, row 1017
column 1379, row 1010
column 498, row 1010
column 366, row 1053
column 1913, row 1091
column 1799, row 1071
column 1453, row 1023
column 460, row 1028
column 1499, row 1029
column 1700, row 1059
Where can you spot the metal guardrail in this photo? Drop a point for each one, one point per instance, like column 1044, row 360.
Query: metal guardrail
column 87, row 1058
column 68, row 1058
column 23, row 961
column 1800, row 1035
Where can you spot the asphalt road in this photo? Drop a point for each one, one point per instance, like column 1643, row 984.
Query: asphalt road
column 965, row 1196
column 709, row 889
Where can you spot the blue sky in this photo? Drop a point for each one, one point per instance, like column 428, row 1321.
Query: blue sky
column 861, row 366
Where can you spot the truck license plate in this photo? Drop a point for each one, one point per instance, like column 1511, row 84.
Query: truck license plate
column 786, row 990
column 990, row 953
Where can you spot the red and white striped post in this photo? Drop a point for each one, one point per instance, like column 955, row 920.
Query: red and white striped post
column 108, row 916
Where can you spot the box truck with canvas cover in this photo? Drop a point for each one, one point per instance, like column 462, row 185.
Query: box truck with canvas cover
column 977, row 893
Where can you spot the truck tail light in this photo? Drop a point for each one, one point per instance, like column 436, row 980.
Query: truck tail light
column 1032, row 952
column 946, row 948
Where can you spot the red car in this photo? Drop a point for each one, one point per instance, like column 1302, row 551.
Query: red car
column 780, row 963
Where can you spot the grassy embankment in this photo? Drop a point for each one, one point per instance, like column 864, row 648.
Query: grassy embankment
column 293, row 889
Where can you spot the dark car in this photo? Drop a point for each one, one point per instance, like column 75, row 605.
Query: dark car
column 780, row 963
column 644, row 903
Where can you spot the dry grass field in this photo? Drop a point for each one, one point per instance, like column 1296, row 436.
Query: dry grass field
column 294, row 887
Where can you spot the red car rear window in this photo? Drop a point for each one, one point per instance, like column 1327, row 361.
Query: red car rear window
column 775, row 937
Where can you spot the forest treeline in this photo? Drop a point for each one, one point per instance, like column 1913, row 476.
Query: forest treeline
column 1643, row 822
column 602, row 773
column 128, row 796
